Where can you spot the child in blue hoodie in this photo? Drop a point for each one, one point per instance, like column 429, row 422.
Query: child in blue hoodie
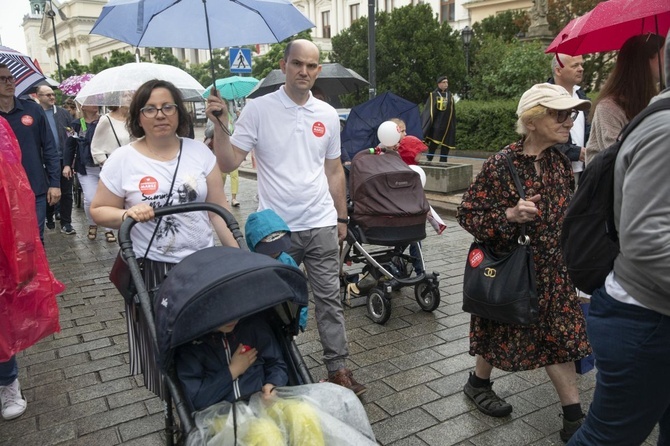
column 267, row 233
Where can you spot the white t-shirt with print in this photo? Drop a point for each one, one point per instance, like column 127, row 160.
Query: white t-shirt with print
column 140, row 179
column 291, row 143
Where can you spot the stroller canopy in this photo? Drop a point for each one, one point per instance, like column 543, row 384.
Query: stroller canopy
column 360, row 130
column 218, row 285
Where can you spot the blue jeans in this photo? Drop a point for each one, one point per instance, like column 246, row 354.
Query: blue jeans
column 9, row 371
column 41, row 211
column 631, row 345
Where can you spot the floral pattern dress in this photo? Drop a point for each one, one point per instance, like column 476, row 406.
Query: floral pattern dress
column 559, row 336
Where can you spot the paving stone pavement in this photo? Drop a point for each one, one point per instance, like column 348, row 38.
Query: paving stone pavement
column 80, row 393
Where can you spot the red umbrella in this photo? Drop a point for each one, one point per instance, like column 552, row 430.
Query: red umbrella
column 610, row 24
column 563, row 39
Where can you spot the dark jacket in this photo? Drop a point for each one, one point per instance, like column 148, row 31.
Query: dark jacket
column 571, row 150
column 203, row 365
column 63, row 118
column 77, row 153
column 39, row 155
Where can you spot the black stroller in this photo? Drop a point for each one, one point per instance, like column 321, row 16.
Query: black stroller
column 387, row 208
column 208, row 289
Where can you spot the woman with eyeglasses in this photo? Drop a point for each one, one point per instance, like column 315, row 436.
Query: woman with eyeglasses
column 628, row 90
column 493, row 212
column 161, row 167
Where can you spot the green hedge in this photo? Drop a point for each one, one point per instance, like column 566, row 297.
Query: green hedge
column 485, row 126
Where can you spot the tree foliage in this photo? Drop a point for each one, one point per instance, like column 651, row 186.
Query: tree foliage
column 506, row 70
column 203, row 72
column 507, row 25
column 73, row 68
column 412, row 49
column 116, row 59
column 270, row 61
column 165, row 56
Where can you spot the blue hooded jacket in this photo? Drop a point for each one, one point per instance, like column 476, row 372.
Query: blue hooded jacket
column 261, row 224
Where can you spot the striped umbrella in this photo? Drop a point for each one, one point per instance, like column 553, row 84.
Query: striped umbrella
column 22, row 67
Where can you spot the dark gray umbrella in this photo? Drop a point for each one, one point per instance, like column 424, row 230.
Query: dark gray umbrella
column 334, row 80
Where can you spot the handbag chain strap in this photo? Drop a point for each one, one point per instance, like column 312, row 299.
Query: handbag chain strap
column 167, row 200
column 523, row 238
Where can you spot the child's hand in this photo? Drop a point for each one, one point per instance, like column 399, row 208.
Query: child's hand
column 268, row 391
column 242, row 360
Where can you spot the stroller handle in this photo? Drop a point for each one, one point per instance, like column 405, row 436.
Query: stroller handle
column 228, row 218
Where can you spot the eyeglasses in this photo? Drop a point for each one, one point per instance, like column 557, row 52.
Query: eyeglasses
column 562, row 115
column 151, row 111
column 7, row 79
column 49, row 95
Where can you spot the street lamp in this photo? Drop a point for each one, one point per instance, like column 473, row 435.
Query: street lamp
column 52, row 15
column 466, row 36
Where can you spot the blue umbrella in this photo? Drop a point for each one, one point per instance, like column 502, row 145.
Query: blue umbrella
column 233, row 87
column 360, row 130
column 179, row 24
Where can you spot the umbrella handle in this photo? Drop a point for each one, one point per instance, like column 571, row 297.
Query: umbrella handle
column 215, row 92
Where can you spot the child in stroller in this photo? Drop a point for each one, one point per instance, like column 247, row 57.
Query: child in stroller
column 214, row 287
column 387, row 208
column 238, row 359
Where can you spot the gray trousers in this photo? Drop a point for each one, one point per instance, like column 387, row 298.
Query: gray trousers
column 318, row 249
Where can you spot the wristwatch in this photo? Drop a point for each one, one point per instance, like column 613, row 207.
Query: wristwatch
column 343, row 220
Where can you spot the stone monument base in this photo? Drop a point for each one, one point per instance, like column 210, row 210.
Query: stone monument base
column 447, row 177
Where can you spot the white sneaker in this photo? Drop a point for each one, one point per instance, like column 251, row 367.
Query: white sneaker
column 13, row 404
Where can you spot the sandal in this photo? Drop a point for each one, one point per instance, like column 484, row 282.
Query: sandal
column 111, row 238
column 487, row 401
column 92, row 232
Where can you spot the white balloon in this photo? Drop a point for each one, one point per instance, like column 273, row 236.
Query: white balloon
column 388, row 134
column 421, row 173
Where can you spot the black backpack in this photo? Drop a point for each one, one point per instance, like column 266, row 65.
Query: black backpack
column 589, row 239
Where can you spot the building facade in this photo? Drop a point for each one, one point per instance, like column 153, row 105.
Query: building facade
column 74, row 19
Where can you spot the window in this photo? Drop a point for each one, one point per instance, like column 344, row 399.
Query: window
column 325, row 24
column 447, row 11
column 354, row 12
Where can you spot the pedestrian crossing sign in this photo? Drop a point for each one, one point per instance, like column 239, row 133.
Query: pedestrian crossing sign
column 240, row 60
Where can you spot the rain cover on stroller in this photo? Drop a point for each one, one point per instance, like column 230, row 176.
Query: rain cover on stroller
column 389, row 202
column 308, row 415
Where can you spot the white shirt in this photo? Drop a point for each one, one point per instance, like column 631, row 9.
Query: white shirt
column 140, row 179
column 577, row 132
column 617, row 292
column 291, row 143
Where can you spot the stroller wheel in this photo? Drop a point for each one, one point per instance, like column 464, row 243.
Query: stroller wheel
column 379, row 306
column 427, row 296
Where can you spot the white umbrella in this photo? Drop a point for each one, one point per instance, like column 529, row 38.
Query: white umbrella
column 112, row 86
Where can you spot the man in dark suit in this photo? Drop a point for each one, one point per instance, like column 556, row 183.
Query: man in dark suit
column 59, row 120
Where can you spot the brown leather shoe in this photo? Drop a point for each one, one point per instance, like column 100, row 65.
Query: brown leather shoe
column 345, row 378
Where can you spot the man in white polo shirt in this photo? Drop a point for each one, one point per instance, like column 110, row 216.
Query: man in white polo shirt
column 296, row 141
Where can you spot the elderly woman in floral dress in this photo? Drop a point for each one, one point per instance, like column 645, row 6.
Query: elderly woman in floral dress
column 493, row 212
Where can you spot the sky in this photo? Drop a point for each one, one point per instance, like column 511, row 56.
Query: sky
column 10, row 23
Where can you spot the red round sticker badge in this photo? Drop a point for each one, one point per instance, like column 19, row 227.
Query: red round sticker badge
column 148, row 185
column 27, row 120
column 318, row 129
column 476, row 257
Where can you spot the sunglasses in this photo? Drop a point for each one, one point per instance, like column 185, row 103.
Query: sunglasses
column 562, row 115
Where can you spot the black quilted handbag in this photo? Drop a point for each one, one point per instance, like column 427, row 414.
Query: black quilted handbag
column 502, row 286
